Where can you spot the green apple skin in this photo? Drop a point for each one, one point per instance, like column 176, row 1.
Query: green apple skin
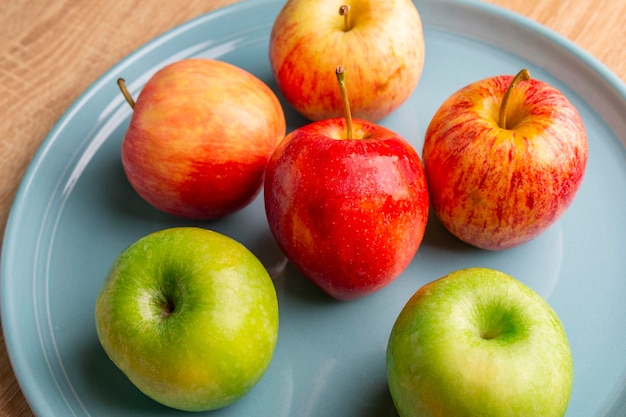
column 382, row 50
column 478, row 342
column 190, row 316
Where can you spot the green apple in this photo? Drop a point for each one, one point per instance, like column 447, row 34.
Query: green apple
column 478, row 342
column 190, row 316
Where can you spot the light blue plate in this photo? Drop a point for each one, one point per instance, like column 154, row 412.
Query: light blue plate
column 75, row 212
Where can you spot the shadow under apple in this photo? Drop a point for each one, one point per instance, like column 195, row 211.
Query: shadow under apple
column 438, row 237
column 292, row 117
column 381, row 404
column 106, row 385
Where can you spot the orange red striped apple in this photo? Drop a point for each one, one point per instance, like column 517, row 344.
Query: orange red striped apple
column 504, row 157
column 200, row 136
column 381, row 42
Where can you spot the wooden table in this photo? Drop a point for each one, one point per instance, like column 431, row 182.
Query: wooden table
column 51, row 51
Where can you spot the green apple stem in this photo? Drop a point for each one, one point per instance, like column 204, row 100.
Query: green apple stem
column 122, row 84
column 341, row 78
column 345, row 12
column 523, row 75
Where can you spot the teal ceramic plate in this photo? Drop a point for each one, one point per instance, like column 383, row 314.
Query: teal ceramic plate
column 75, row 212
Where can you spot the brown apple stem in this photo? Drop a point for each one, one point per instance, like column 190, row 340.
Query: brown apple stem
column 523, row 75
column 345, row 12
column 122, row 84
column 341, row 78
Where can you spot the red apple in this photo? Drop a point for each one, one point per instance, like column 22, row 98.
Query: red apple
column 347, row 202
column 199, row 138
column 381, row 42
column 504, row 158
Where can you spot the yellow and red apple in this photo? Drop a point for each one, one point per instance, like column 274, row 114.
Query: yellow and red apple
column 381, row 42
column 199, row 138
column 504, row 157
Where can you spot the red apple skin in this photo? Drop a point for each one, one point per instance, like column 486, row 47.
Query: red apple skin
column 497, row 188
column 383, row 53
column 350, row 214
column 200, row 136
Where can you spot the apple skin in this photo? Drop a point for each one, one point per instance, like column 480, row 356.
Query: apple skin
column 383, row 53
column 199, row 138
column 478, row 342
column 350, row 214
column 497, row 188
column 190, row 316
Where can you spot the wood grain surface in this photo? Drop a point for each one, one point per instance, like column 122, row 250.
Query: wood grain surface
column 50, row 51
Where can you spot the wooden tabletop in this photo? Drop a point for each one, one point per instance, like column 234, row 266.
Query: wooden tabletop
column 51, row 51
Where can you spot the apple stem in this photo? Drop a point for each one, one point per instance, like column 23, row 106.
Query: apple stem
column 341, row 78
column 345, row 12
column 523, row 75
column 122, row 84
